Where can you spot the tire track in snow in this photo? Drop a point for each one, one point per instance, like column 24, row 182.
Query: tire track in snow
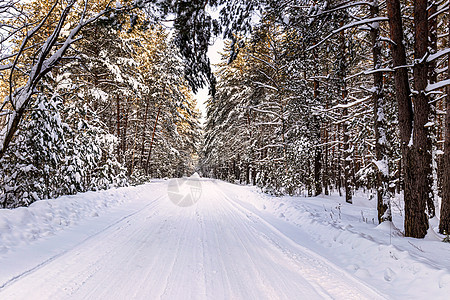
column 261, row 274
column 355, row 286
column 273, row 253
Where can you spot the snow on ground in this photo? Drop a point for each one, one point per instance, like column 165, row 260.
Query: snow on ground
column 348, row 235
column 45, row 218
column 232, row 243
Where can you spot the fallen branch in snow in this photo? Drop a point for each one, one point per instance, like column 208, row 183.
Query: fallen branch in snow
column 417, row 247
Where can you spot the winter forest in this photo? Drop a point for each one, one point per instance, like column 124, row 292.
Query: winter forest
column 310, row 98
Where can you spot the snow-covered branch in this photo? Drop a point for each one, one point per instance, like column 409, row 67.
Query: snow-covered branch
column 437, row 85
column 438, row 54
column 348, row 26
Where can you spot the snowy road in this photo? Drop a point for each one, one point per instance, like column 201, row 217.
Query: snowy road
column 216, row 249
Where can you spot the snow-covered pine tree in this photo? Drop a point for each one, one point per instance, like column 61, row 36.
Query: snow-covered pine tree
column 30, row 168
column 89, row 162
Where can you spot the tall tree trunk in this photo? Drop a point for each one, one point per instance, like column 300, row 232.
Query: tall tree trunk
column 326, row 127
column 317, row 168
column 283, row 138
column 124, row 133
column 379, row 102
column 416, row 222
column 346, row 135
column 432, row 24
column 444, row 225
column 133, row 154
column 318, row 151
column 413, row 216
column 119, row 158
column 339, row 161
column 144, row 127
column 325, row 170
column 432, row 78
column 247, row 173
column 151, row 142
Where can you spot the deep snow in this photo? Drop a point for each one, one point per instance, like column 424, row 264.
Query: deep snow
column 234, row 242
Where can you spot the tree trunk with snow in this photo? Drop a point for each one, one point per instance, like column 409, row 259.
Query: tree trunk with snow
column 416, row 221
column 124, row 130
column 144, row 133
column 379, row 105
column 151, row 142
column 118, row 127
column 325, row 169
column 326, row 126
column 345, row 117
column 432, row 77
column 318, row 150
column 444, row 225
column 133, row 155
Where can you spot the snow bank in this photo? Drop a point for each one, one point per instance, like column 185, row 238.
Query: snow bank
column 44, row 218
column 194, row 176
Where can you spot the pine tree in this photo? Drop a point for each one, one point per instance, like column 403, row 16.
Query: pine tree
column 30, row 167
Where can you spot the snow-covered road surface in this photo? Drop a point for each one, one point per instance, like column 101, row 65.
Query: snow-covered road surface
column 217, row 248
